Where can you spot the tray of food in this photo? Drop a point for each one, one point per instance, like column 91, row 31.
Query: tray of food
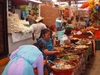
column 74, row 39
column 64, row 66
column 69, row 57
column 65, row 46
column 83, row 42
column 76, row 51
column 81, row 46
column 59, row 48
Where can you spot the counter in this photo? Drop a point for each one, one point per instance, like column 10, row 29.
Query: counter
column 13, row 45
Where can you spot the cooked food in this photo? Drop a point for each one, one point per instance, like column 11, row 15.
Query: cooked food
column 63, row 65
column 59, row 48
column 69, row 57
column 81, row 46
column 65, row 46
column 74, row 38
column 83, row 42
column 76, row 51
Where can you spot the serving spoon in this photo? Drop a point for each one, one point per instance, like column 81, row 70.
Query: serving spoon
column 57, row 65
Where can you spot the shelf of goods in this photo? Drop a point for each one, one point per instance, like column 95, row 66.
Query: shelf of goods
column 19, row 32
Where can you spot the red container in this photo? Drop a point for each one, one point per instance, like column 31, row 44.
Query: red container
column 35, row 70
column 63, row 73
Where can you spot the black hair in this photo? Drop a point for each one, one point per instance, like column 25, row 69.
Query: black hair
column 67, row 31
column 44, row 31
column 64, row 23
column 40, row 45
column 69, row 21
column 72, row 18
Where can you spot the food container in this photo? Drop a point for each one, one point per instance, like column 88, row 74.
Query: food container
column 68, row 57
column 62, row 71
column 82, row 47
column 73, row 40
column 65, row 46
column 76, row 51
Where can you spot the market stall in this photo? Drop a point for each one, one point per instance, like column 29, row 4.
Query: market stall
column 19, row 30
column 72, row 61
column 18, row 33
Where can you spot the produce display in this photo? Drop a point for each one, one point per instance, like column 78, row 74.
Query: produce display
column 15, row 24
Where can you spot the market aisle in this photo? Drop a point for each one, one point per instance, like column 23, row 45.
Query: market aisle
column 93, row 68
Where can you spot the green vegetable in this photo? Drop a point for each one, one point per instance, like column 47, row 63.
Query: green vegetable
column 27, row 25
column 65, row 57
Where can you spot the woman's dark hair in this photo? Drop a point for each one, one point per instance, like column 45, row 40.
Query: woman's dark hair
column 72, row 18
column 77, row 18
column 69, row 21
column 44, row 31
column 67, row 31
column 41, row 45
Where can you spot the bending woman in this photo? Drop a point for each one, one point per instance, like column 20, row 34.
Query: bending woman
column 24, row 60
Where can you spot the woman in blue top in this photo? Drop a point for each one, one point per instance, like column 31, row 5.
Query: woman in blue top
column 48, row 48
column 24, row 60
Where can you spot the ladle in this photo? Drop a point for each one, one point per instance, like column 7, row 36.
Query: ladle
column 57, row 65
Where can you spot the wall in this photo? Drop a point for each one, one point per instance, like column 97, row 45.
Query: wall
column 49, row 13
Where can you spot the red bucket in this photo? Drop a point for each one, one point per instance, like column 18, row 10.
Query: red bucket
column 63, row 73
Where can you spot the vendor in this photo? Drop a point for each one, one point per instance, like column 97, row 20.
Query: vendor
column 25, row 14
column 59, row 23
column 37, row 27
column 45, row 45
column 30, row 18
column 65, row 39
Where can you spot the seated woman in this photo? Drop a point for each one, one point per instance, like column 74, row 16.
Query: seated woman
column 65, row 39
column 44, row 43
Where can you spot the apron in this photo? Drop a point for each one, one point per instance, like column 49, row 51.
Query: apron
column 29, row 58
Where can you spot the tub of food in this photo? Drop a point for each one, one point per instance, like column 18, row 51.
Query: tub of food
column 64, row 66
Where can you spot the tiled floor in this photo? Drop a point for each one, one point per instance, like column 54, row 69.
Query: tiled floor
column 92, row 68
